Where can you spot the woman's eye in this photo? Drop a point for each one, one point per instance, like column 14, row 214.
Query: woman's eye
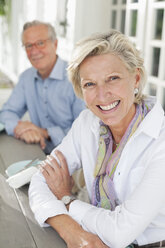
column 113, row 78
column 89, row 84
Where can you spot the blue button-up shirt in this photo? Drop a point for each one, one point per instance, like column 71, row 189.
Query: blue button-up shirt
column 51, row 102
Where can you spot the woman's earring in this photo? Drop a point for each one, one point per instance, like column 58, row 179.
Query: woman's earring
column 136, row 90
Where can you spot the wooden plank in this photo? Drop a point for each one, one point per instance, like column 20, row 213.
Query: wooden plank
column 12, row 150
column 14, row 231
column 44, row 237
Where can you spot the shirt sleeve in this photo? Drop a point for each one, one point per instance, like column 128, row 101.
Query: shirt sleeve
column 43, row 202
column 57, row 133
column 121, row 227
column 14, row 108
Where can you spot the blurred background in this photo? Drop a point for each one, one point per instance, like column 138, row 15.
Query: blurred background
column 142, row 20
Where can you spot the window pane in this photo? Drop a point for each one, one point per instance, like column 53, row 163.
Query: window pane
column 164, row 99
column 114, row 19
column 135, row 1
column 133, row 23
column 158, row 24
column 155, row 61
column 123, row 21
column 124, row 1
column 114, row 2
column 152, row 89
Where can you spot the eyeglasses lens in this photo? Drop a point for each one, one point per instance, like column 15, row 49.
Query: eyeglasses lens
column 38, row 44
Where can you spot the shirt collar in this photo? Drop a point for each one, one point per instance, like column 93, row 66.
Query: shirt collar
column 152, row 123
column 36, row 76
column 57, row 71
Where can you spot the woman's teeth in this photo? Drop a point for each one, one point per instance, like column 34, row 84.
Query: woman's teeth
column 109, row 107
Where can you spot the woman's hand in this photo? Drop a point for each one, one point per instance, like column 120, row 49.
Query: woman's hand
column 73, row 233
column 60, row 183
column 57, row 175
column 85, row 240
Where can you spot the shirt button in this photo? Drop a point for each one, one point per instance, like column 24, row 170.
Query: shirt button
column 118, row 173
column 46, row 116
column 45, row 102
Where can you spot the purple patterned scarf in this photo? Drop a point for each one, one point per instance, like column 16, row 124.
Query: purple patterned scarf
column 104, row 194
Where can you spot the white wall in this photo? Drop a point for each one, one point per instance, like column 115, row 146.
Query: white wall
column 91, row 16
column 84, row 17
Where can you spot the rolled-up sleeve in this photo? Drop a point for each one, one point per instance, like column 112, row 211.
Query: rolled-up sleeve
column 43, row 202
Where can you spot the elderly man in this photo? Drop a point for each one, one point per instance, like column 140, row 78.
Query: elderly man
column 43, row 90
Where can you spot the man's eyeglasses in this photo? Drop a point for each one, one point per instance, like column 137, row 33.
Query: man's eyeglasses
column 40, row 44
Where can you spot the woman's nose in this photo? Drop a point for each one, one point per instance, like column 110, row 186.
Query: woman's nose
column 103, row 92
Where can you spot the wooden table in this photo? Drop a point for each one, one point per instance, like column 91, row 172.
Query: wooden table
column 18, row 228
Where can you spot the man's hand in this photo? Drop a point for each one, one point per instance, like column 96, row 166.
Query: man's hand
column 22, row 127
column 30, row 133
column 57, row 175
column 33, row 136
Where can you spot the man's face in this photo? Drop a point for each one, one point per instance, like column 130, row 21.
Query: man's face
column 41, row 57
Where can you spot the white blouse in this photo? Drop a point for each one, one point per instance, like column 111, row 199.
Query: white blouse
column 139, row 182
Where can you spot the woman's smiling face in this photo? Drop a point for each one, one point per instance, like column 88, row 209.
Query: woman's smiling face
column 108, row 88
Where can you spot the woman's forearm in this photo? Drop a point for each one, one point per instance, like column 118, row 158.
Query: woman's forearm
column 64, row 225
column 73, row 234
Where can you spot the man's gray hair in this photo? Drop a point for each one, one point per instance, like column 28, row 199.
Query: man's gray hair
column 51, row 29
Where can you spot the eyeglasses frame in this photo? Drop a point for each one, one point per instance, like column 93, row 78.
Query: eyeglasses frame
column 35, row 45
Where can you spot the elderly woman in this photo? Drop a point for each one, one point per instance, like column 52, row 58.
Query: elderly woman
column 119, row 141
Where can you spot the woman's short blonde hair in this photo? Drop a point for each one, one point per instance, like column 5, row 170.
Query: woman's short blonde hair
column 112, row 42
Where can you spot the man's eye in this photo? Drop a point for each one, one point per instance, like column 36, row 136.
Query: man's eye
column 40, row 43
column 27, row 46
